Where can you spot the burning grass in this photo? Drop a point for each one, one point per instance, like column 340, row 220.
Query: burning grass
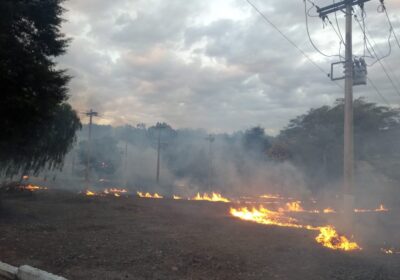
column 33, row 188
column 149, row 195
column 328, row 236
column 381, row 208
column 214, row 197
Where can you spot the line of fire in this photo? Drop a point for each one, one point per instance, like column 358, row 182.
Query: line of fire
column 231, row 139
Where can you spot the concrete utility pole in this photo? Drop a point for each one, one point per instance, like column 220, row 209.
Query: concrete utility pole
column 210, row 140
column 348, row 160
column 90, row 114
column 348, row 155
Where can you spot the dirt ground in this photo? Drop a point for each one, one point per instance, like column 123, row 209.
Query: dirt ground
column 81, row 237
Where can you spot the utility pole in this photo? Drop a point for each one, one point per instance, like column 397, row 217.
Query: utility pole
column 210, row 140
column 159, row 127
column 126, row 164
column 158, row 156
column 348, row 160
column 348, row 153
column 90, row 114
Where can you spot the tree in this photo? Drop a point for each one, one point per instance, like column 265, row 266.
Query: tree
column 315, row 140
column 33, row 90
column 255, row 141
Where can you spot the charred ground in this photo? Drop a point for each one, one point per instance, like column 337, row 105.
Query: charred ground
column 83, row 237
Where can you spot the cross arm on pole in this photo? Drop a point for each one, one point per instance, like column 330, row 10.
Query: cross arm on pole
column 323, row 12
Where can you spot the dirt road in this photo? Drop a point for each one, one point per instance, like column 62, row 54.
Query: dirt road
column 82, row 237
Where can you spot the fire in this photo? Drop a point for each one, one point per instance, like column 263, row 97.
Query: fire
column 389, row 251
column 264, row 216
column 328, row 236
column 90, row 193
column 148, row 195
column 294, row 206
column 33, row 188
column 380, row 209
column 329, row 210
column 271, row 196
column 177, row 197
column 114, row 191
column 215, row 197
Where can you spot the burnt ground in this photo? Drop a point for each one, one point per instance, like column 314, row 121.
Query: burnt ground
column 82, row 237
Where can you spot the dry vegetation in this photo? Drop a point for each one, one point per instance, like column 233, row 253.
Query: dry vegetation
column 82, row 237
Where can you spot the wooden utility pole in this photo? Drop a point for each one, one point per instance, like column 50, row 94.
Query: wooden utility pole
column 90, row 114
column 348, row 153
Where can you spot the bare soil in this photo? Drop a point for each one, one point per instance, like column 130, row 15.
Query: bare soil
column 82, row 237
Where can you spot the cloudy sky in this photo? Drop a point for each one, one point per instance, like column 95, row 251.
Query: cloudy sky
column 213, row 64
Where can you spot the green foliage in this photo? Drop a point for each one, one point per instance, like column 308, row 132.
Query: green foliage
column 34, row 91
column 315, row 140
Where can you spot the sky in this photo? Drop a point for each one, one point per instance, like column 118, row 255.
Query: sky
column 216, row 65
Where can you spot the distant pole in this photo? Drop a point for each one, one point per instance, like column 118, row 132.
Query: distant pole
column 126, row 164
column 210, row 140
column 90, row 114
column 158, row 156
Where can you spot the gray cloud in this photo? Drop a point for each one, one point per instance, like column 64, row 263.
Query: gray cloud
column 183, row 63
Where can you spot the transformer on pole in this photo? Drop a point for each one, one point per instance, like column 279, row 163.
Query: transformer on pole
column 355, row 72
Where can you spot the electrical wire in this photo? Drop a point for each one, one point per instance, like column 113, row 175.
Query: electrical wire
column 367, row 40
column 388, row 66
column 384, row 68
column 289, row 40
column 309, row 36
column 338, row 26
column 378, row 91
column 391, row 26
column 363, row 28
column 340, row 38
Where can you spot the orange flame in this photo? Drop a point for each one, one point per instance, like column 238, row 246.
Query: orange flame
column 389, row 251
column 116, row 192
column 271, row 196
column 294, row 206
column 33, row 188
column 328, row 236
column 90, row 193
column 329, row 210
column 177, row 197
column 215, row 197
column 148, row 195
column 380, row 209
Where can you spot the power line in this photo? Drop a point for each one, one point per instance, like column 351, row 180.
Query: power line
column 309, row 36
column 383, row 67
column 365, row 32
column 378, row 91
column 390, row 23
column 337, row 24
column 289, row 40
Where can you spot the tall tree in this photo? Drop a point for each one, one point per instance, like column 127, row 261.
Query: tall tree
column 33, row 89
column 315, row 140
